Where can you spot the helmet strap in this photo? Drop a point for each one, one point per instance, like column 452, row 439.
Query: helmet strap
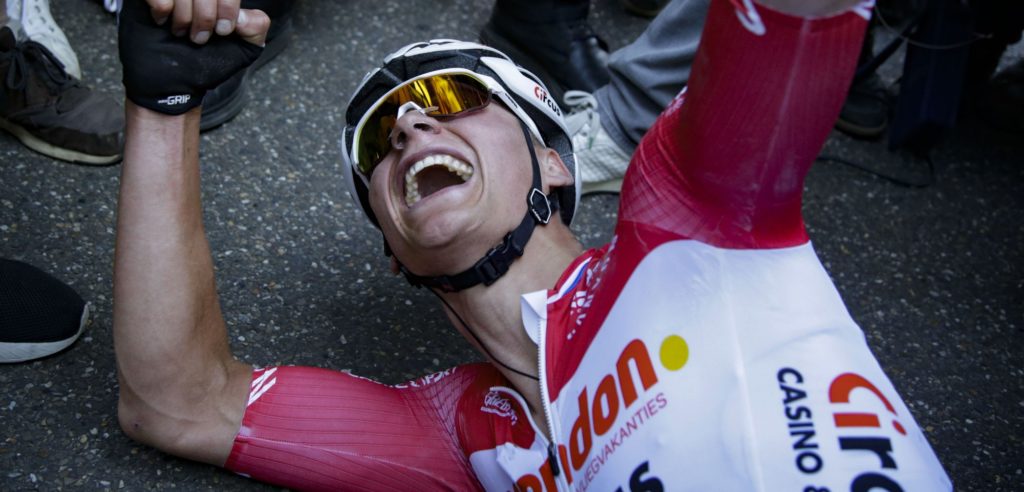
column 494, row 264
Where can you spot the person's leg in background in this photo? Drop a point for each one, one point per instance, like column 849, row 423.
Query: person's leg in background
column 865, row 113
column 998, row 25
column 644, row 77
column 552, row 39
column 997, row 100
column 39, row 315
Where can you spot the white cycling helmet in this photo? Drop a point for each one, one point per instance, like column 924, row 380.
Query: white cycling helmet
column 520, row 91
column 526, row 97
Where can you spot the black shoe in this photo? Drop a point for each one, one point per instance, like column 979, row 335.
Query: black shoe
column 225, row 101
column 865, row 113
column 51, row 112
column 565, row 53
column 39, row 315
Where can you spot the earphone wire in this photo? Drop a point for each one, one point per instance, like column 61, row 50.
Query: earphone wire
column 911, row 41
column 480, row 342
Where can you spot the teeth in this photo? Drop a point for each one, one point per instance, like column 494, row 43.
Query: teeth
column 459, row 168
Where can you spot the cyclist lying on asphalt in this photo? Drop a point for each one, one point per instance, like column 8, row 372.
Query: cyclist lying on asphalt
column 704, row 348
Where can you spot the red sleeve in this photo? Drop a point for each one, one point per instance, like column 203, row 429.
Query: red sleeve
column 317, row 429
column 726, row 165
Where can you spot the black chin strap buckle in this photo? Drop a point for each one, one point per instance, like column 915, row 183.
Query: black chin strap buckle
column 489, row 271
column 539, row 206
column 498, row 260
column 413, row 279
column 486, row 271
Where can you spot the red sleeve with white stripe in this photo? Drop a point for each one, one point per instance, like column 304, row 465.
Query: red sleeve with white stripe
column 725, row 163
column 318, row 429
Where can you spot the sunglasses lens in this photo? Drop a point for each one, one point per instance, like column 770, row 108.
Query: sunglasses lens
column 446, row 96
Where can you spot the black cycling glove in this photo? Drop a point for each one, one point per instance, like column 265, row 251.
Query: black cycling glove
column 171, row 74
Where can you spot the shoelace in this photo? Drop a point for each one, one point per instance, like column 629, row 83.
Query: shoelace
column 110, row 5
column 17, row 76
column 583, row 119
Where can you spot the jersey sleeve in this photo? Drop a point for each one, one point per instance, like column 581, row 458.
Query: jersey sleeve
column 318, row 429
column 725, row 162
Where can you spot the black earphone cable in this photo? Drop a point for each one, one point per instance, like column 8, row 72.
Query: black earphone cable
column 892, row 179
column 480, row 342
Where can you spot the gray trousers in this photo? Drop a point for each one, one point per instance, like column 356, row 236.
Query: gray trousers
column 649, row 72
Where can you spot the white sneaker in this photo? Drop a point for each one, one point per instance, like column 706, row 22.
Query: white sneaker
column 601, row 161
column 38, row 25
column 111, row 6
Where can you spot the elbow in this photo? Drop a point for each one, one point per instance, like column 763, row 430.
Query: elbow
column 146, row 422
column 194, row 426
column 136, row 420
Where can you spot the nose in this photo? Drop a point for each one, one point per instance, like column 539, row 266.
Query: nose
column 410, row 125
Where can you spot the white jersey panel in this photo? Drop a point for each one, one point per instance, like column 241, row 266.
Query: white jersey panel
column 726, row 369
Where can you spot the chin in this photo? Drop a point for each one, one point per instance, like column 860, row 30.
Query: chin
column 444, row 250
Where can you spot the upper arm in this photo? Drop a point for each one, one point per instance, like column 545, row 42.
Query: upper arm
column 726, row 163
column 308, row 428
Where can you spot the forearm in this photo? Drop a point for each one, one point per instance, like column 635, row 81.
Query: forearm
column 170, row 339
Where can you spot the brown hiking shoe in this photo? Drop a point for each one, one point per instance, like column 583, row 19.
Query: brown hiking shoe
column 51, row 112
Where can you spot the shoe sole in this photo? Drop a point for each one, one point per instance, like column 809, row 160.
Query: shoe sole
column 228, row 109
column 21, row 352
column 612, row 186
column 491, row 38
column 43, row 147
column 860, row 131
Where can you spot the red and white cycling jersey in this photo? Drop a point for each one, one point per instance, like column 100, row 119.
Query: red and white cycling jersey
column 704, row 348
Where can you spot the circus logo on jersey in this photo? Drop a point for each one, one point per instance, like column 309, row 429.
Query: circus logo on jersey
column 500, row 406
column 850, row 416
column 629, row 390
column 851, row 396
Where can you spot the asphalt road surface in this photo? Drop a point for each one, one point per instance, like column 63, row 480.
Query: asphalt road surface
column 933, row 275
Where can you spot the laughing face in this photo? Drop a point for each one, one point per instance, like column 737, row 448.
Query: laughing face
column 448, row 191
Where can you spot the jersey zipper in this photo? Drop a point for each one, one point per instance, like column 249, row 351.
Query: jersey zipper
column 553, row 457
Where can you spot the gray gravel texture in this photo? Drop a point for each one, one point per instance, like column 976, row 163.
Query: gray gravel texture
column 933, row 275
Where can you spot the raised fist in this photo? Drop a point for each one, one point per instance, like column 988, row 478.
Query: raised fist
column 170, row 74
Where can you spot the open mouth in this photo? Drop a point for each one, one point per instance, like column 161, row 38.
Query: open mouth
column 432, row 174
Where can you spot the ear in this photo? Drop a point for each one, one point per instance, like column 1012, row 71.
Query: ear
column 554, row 173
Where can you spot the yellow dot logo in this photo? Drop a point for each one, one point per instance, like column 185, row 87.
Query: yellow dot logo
column 674, row 352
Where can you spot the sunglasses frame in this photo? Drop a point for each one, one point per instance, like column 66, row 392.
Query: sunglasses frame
column 495, row 89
